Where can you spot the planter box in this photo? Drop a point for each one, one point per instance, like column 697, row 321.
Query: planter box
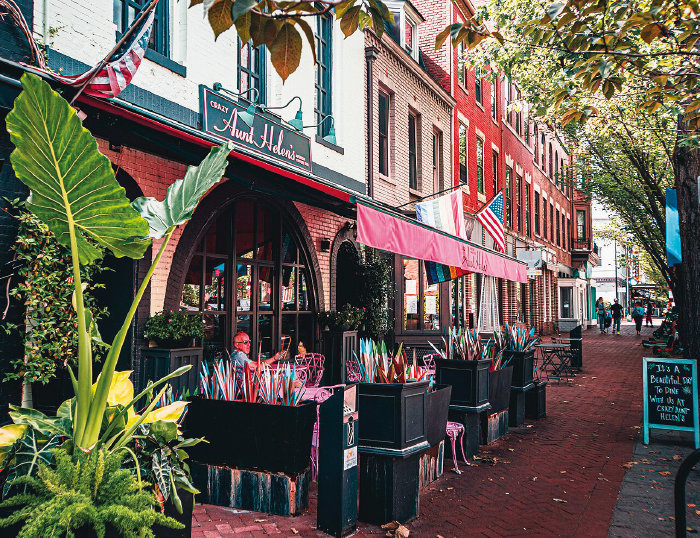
column 536, row 401
column 499, row 389
column 338, row 347
column 437, row 405
column 158, row 362
column 272, row 438
column 392, row 415
column 523, row 363
column 469, row 380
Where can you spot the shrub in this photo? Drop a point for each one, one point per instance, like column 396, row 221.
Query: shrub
column 174, row 329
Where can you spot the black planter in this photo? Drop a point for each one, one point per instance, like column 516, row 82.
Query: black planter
column 273, row 438
column 437, row 405
column 392, row 415
column 157, row 362
column 536, row 401
column 523, row 363
column 338, row 347
column 469, row 380
column 499, row 389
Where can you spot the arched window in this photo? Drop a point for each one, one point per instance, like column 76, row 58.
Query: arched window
column 248, row 273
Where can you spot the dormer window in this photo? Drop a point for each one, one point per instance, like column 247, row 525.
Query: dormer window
column 405, row 28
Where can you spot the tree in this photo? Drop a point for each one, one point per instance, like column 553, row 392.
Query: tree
column 596, row 52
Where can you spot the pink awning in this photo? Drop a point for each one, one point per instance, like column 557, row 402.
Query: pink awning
column 384, row 231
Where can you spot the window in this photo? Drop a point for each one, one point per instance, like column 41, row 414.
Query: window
column 251, row 71
column 494, row 165
column 556, row 169
column 509, row 203
column 567, row 234
column 526, row 129
column 421, row 301
column 324, row 44
column 506, row 99
column 410, row 41
column 543, row 148
column 566, row 294
column 527, row 209
column 551, row 222
column 534, row 141
column 551, row 169
column 477, row 86
column 437, row 161
column 461, row 69
column 494, row 110
column 463, row 175
column 580, row 225
column 558, row 228
column 537, row 213
column 127, row 11
column 518, row 115
column 518, row 202
column 544, row 218
column 480, row 166
column 412, row 152
column 383, row 133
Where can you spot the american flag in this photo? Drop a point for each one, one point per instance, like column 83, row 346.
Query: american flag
column 119, row 68
column 491, row 218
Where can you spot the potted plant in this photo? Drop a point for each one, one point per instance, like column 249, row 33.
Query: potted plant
column 173, row 335
column 92, row 434
column 348, row 318
column 391, row 400
column 465, row 365
column 518, row 349
column 252, row 419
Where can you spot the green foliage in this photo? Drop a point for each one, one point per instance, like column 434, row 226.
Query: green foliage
column 349, row 315
column 82, row 491
column 32, row 450
column 376, row 292
column 279, row 24
column 45, row 287
column 173, row 329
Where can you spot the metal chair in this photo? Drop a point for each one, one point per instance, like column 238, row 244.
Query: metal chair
column 429, row 363
column 352, row 371
column 314, row 363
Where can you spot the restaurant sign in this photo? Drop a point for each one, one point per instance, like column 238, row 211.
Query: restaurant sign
column 221, row 117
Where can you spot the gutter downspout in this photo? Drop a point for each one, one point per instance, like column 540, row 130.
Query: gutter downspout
column 371, row 54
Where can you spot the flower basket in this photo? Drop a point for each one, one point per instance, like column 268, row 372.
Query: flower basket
column 272, row 438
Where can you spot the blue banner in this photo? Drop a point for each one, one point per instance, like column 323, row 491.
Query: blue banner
column 673, row 231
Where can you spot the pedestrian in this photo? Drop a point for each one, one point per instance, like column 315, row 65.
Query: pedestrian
column 617, row 311
column 638, row 316
column 601, row 312
column 649, row 312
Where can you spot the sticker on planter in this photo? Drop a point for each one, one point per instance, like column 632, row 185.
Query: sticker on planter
column 350, row 455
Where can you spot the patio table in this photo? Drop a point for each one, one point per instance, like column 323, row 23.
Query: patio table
column 556, row 355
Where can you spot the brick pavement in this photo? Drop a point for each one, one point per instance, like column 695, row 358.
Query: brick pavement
column 557, row 476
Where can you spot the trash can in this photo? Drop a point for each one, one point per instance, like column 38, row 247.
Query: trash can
column 576, row 347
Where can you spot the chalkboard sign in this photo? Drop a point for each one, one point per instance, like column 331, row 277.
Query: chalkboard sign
column 670, row 396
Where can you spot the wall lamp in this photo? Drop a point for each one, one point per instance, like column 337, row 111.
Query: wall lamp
column 297, row 122
column 330, row 137
column 248, row 115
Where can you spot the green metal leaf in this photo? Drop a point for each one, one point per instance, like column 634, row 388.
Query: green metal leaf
column 184, row 194
column 71, row 182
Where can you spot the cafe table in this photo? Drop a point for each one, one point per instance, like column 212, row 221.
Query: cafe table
column 557, row 356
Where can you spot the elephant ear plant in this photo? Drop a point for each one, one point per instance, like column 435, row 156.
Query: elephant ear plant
column 75, row 193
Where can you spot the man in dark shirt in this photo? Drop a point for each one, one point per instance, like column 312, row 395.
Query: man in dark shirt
column 616, row 310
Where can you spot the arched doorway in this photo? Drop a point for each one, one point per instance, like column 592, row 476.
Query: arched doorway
column 248, row 268
column 347, row 290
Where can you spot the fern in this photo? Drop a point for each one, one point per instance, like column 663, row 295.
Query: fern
column 85, row 490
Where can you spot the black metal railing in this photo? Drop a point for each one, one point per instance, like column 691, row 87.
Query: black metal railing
column 679, row 491
column 581, row 244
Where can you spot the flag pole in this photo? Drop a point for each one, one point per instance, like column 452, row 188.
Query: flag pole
column 431, row 194
column 121, row 41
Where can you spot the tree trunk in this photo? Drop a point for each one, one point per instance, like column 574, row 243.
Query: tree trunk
column 687, row 169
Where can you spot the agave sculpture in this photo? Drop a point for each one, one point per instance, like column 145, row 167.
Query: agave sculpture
column 75, row 193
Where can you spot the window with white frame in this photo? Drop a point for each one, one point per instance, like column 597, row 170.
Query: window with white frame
column 405, row 28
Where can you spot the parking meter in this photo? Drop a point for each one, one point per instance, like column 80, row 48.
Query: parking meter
column 337, row 463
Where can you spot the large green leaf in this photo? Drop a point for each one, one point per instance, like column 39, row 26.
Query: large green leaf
column 69, row 179
column 33, row 450
column 184, row 194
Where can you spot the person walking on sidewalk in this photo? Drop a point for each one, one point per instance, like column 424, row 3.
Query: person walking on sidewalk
column 649, row 312
column 638, row 316
column 602, row 313
column 617, row 311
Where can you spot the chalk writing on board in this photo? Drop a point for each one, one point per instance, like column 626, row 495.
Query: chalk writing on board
column 670, row 394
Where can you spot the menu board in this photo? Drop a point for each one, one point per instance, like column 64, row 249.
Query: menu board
column 670, row 395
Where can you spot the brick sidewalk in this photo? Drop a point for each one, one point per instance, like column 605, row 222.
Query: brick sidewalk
column 557, row 476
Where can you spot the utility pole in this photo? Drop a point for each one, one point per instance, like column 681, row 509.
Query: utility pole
column 627, row 279
column 616, row 281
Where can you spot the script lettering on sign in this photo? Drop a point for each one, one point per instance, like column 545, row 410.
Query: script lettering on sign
column 670, row 395
column 222, row 117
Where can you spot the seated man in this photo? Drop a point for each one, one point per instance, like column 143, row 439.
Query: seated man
column 241, row 350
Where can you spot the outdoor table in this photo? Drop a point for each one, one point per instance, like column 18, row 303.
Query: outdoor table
column 578, row 350
column 558, row 351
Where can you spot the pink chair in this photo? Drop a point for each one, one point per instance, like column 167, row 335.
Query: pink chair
column 429, row 363
column 352, row 371
column 314, row 363
column 455, row 430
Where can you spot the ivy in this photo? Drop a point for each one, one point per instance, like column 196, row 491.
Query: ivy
column 44, row 287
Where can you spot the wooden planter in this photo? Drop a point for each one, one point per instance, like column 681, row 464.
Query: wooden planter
column 437, row 405
column 338, row 347
column 469, row 380
column 157, row 362
column 499, row 389
column 523, row 363
column 536, row 401
column 271, row 438
column 392, row 415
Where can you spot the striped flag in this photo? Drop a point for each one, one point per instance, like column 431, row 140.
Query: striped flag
column 491, row 218
column 119, row 68
column 447, row 214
